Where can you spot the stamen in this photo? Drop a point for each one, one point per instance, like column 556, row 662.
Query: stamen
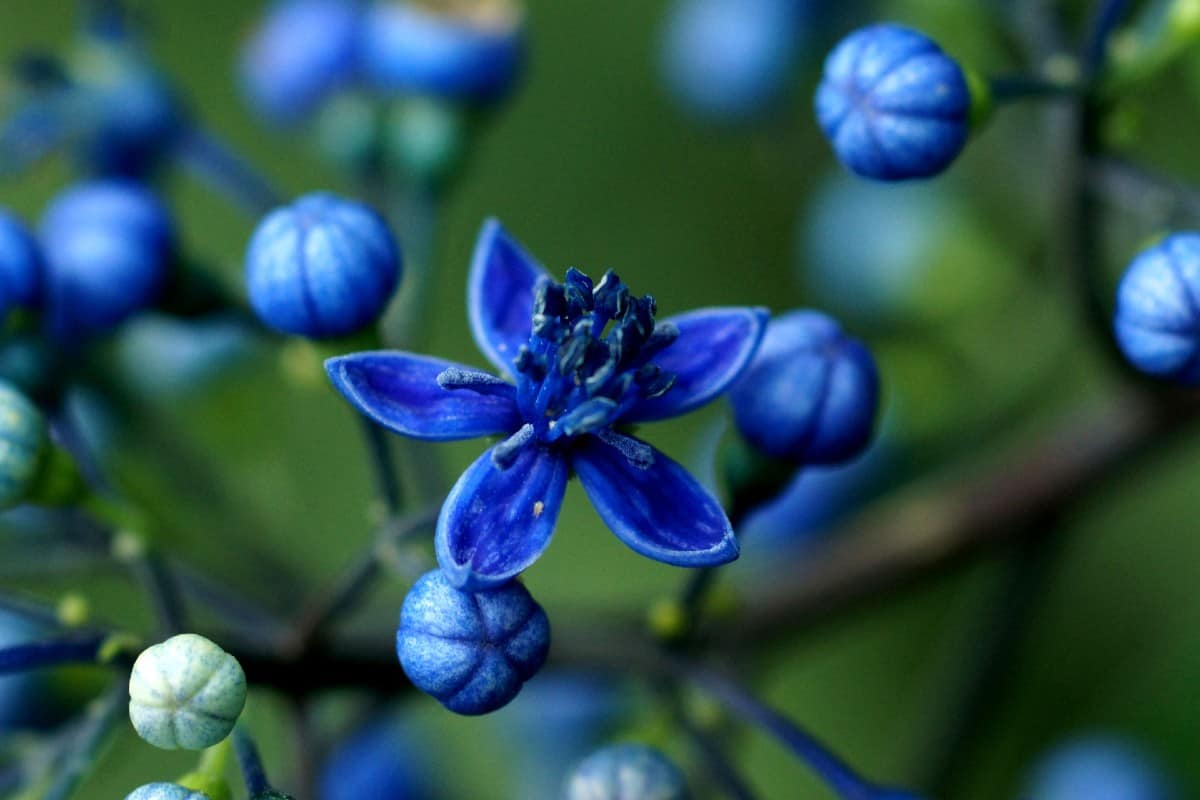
column 478, row 382
column 639, row 454
column 585, row 417
column 504, row 455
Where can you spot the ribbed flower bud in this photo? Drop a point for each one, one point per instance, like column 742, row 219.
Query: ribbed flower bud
column 811, row 393
column 465, row 50
column 321, row 267
column 185, row 693
column 1157, row 321
column 164, row 791
column 893, row 105
column 471, row 651
column 108, row 247
column 626, row 772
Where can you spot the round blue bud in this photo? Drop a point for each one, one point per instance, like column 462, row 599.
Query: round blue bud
column 467, row 51
column 301, row 52
column 20, row 265
column 164, row 791
column 893, row 105
column 1158, row 309
column 730, row 59
column 811, row 393
column 625, row 772
column 1099, row 768
column 107, row 247
column 471, row 651
column 321, row 267
column 380, row 760
column 132, row 115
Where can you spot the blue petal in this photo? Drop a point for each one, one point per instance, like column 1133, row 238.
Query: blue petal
column 656, row 508
column 714, row 346
column 401, row 392
column 495, row 523
column 500, row 295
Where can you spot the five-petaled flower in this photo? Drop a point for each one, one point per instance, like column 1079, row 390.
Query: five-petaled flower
column 581, row 363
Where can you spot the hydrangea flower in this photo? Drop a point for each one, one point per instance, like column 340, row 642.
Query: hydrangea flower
column 583, row 361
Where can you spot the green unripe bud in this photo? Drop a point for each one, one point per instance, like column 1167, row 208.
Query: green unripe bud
column 164, row 791
column 185, row 693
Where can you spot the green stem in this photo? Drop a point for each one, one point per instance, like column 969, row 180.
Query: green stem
column 102, row 718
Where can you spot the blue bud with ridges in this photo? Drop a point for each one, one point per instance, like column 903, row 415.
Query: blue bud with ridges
column 811, row 393
column 20, row 265
column 1157, row 321
column 1099, row 768
column 321, row 267
column 472, row 651
column 185, row 693
column 300, row 53
column 893, row 104
column 164, row 791
column 626, row 772
column 729, row 60
column 108, row 246
column 467, row 51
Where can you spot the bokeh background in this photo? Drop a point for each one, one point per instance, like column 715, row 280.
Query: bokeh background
column 593, row 163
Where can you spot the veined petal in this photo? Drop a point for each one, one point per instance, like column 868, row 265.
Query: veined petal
column 500, row 295
column 401, row 392
column 654, row 505
column 495, row 523
column 714, row 346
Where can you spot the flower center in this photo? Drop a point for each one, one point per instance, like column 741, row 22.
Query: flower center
column 588, row 358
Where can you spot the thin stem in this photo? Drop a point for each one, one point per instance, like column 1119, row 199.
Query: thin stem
column 50, row 652
column 970, row 507
column 1138, row 189
column 843, row 780
column 347, row 591
column 993, row 645
column 1105, row 19
column 250, row 762
column 217, row 165
column 163, row 592
column 1009, row 88
column 101, row 719
column 383, row 464
column 712, row 756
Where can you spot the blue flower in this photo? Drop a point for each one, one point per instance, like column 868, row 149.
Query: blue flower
column 300, row 53
column 107, row 247
column 626, row 771
column 321, row 267
column 1158, row 309
column 586, row 360
column 730, row 59
column 462, row 54
column 893, row 105
column 472, row 651
column 20, row 265
column 811, row 393
column 1099, row 768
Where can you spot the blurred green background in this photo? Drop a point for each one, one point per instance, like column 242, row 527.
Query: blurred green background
column 592, row 165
